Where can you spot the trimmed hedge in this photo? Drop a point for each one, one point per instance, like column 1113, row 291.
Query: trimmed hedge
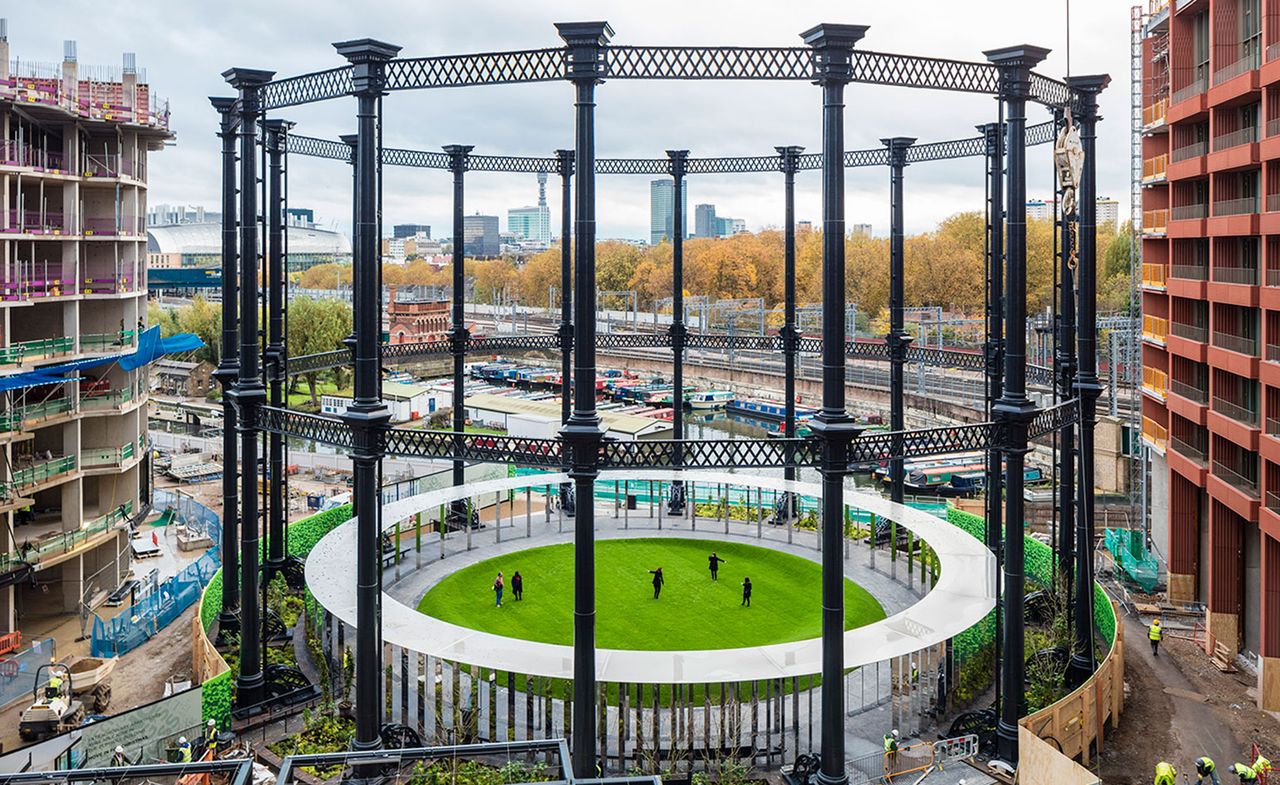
column 1038, row 565
column 216, row 693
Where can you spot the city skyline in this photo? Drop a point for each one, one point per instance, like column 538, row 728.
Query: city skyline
column 186, row 49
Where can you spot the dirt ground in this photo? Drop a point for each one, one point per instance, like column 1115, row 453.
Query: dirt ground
column 138, row 678
column 1181, row 707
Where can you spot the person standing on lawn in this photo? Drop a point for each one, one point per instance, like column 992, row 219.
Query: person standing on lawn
column 497, row 591
column 715, row 562
column 657, row 582
column 517, row 586
column 746, row 592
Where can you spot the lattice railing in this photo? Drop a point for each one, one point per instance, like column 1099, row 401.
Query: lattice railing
column 709, row 62
column 485, row 448
column 312, row 427
column 1054, row 419
column 307, row 88
column 526, row 65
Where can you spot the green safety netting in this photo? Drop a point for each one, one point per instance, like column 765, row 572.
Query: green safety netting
column 1128, row 548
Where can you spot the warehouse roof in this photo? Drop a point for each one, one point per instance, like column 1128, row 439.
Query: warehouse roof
column 630, row 424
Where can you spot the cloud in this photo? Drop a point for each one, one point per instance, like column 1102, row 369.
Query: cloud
column 185, row 46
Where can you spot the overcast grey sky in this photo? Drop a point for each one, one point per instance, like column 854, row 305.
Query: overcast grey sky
column 184, row 47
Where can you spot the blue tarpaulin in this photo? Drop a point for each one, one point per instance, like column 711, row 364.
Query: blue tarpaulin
column 151, row 347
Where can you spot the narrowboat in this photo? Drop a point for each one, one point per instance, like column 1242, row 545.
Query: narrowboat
column 710, row 399
column 768, row 410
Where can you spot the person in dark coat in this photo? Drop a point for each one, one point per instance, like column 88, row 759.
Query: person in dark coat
column 517, row 586
column 715, row 562
column 657, row 582
column 746, row 592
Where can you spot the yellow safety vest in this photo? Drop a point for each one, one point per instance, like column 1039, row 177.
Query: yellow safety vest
column 890, row 744
column 1245, row 773
column 186, row 753
column 1165, row 774
column 1155, row 633
column 1261, row 764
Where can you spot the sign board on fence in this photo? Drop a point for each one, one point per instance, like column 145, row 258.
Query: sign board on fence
column 138, row 728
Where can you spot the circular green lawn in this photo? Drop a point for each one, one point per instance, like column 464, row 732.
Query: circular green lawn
column 693, row 613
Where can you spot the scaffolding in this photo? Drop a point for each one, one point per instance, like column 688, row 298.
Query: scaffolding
column 1140, row 463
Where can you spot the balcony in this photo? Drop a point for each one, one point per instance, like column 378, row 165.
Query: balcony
column 1238, row 275
column 1154, row 434
column 1246, row 135
column 110, row 285
column 1273, row 353
column 1273, row 126
column 1235, row 479
column 32, row 414
column 1155, row 382
column 1155, row 222
column 104, row 400
column 13, row 153
column 1153, row 276
column 39, row 349
column 1190, row 332
column 122, row 226
column 1188, row 391
column 1190, row 91
column 1187, row 152
column 1236, row 343
column 1240, row 414
column 65, row 542
column 1154, row 115
column 106, row 457
column 1188, row 450
column 35, row 474
column 1155, row 169
column 105, row 342
column 1247, row 62
column 36, row 222
column 1190, row 272
column 1273, row 426
column 1244, row 206
column 1189, row 212
column 1155, row 329
column 1273, row 502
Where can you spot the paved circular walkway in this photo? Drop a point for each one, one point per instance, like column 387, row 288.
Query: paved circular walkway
column 965, row 593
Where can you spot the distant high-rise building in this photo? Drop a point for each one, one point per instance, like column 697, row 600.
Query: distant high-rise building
column 301, row 216
column 662, row 209
column 804, row 226
column 1108, row 212
column 480, row 235
column 173, row 215
column 1039, row 210
column 402, row 231
column 864, row 229
column 737, row 225
column 704, row 220
column 533, row 224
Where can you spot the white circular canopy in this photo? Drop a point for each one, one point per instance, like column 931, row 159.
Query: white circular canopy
column 964, row 594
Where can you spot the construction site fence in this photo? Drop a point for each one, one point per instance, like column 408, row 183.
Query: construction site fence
column 911, row 762
column 1128, row 547
column 18, row 670
column 166, row 601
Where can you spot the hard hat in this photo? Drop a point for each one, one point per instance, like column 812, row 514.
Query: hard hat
column 211, row 723
column 119, row 750
column 182, row 739
column 895, row 733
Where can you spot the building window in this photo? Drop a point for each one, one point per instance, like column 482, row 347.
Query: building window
column 1250, row 30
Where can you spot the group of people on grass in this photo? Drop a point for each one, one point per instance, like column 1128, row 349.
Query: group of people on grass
column 714, row 562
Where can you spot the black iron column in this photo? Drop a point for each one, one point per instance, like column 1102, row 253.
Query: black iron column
column 351, row 140
column 564, row 165
column 790, row 335
column 994, row 357
column 678, row 330
column 367, row 415
column 1064, row 378
column 586, row 42
column 897, row 339
column 1014, row 411
column 1085, row 90
column 833, row 47
column 249, row 392
column 459, row 335
column 228, row 371
column 277, row 130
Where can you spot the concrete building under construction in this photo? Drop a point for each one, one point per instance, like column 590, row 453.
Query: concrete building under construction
column 74, row 142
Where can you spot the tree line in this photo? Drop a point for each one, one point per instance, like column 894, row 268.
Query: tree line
column 944, row 267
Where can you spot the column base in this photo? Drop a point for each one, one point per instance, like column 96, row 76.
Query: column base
column 1225, row 628
column 1182, row 588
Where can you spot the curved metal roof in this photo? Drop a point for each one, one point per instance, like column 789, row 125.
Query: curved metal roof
column 206, row 238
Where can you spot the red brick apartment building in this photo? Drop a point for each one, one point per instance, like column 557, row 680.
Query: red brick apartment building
column 1211, row 313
